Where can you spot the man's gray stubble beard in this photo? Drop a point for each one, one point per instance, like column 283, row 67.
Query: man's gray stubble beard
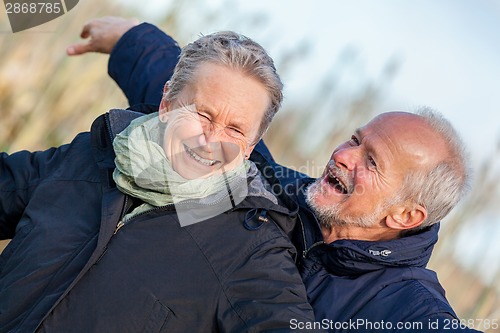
column 330, row 216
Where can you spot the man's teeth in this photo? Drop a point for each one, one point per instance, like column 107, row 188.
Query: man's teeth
column 344, row 189
column 199, row 159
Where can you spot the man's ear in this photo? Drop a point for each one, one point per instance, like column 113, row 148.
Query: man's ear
column 164, row 104
column 406, row 217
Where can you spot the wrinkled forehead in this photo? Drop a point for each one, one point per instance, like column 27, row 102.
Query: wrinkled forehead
column 408, row 137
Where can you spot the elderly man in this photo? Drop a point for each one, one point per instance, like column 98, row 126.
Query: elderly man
column 156, row 223
column 367, row 225
column 376, row 206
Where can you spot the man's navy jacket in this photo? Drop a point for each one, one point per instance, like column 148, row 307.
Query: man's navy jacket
column 353, row 286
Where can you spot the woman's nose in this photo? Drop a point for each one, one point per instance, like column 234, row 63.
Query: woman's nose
column 210, row 138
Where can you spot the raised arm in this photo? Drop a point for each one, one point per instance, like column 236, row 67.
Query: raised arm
column 142, row 62
column 142, row 57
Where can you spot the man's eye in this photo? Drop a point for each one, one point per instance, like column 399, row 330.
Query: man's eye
column 355, row 140
column 372, row 161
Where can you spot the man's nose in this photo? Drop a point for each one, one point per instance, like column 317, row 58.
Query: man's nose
column 347, row 158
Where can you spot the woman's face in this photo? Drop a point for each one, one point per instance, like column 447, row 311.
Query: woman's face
column 214, row 122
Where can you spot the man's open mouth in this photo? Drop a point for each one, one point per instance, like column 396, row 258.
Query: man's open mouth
column 336, row 183
column 199, row 159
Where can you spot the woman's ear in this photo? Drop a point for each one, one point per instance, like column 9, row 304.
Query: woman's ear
column 164, row 104
column 248, row 151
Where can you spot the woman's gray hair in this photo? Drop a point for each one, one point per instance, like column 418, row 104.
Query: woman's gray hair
column 235, row 51
column 441, row 188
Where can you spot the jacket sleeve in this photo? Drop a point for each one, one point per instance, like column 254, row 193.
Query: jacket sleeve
column 265, row 291
column 20, row 173
column 142, row 61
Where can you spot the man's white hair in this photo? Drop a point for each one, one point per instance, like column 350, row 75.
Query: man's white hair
column 441, row 188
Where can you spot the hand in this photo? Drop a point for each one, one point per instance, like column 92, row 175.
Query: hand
column 104, row 33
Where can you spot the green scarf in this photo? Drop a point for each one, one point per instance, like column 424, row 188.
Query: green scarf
column 143, row 170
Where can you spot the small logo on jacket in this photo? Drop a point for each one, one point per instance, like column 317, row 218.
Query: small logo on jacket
column 383, row 253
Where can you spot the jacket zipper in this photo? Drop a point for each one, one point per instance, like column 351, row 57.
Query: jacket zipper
column 108, row 127
column 118, row 226
column 307, row 249
column 121, row 223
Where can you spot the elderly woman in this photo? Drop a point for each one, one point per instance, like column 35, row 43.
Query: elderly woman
column 156, row 223
column 222, row 97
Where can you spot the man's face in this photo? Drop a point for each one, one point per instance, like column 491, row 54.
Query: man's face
column 364, row 174
column 214, row 121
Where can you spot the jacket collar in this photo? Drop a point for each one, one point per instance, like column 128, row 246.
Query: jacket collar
column 354, row 257
column 103, row 131
column 348, row 257
column 119, row 119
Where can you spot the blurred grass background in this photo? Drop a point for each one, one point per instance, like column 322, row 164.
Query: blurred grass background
column 46, row 98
